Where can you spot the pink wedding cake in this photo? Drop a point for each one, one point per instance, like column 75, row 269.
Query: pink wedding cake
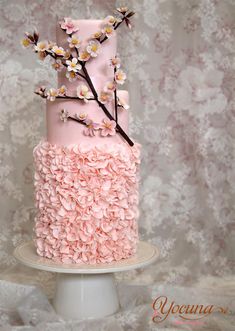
column 86, row 168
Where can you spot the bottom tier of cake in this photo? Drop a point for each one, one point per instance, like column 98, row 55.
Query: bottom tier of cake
column 86, row 201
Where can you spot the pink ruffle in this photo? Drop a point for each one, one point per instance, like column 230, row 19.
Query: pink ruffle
column 87, row 202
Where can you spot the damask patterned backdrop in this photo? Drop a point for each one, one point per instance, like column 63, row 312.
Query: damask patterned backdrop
column 180, row 59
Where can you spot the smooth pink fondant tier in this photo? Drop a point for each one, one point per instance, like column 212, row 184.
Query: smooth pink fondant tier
column 87, row 202
column 71, row 132
column 99, row 67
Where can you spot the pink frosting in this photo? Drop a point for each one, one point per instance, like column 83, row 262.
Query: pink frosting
column 87, row 201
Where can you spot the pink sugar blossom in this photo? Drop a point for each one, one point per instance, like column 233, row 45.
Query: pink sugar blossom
column 105, row 97
column 108, row 128
column 110, row 86
column 69, row 25
column 91, row 128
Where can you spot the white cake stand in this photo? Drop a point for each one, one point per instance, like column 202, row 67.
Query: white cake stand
column 86, row 291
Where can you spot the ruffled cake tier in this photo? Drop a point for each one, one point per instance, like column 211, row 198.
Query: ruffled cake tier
column 87, row 201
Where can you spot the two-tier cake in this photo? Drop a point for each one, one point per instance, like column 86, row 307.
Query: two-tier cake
column 86, row 169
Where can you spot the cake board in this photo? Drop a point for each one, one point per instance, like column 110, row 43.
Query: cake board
column 86, row 291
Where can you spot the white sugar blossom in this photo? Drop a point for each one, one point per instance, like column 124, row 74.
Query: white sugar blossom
column 58, row 50
column 97, row 35
column 108, row 30
column 58, row 65
column 64, row 115
column 93, row 48
column 81, row 116
column 84, row 93
column 110, row 20
column 52, row 93
column 122, row 103
column 115, row 62
column 71, row 75
column 74, row 41
column 41, row 46
column 110, row 86
column 73, row 65
column 84, row 56
column 62, row 90
column 120, row 76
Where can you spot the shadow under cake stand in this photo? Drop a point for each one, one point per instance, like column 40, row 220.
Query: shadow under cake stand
column 86, row 291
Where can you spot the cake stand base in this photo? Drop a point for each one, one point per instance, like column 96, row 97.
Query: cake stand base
column 86, row 291
column 85, row 295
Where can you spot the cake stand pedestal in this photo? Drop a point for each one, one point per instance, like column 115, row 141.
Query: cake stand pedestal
column 86, row 291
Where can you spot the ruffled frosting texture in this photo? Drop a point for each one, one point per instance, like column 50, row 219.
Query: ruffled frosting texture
column 87, row 202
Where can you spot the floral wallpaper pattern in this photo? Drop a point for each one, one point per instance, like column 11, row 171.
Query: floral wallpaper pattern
column 180, row 59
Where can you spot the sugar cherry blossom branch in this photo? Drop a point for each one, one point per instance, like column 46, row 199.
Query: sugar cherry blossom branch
column 33, row 39
column 125, row 18
column 76, row 120
column 66, row 97
column 88, row 80
column 105, row 110
column 56, row 57
column 115, row 100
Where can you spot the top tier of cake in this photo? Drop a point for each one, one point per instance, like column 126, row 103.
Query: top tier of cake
column 99, row 67
column 100, row 72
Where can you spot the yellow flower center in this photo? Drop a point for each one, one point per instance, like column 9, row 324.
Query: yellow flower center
column 25, row 42
column 59, row 51
column 42, row 45
column 108, row 125
column 83, row 93
column 75, row 41
column 82, row 116
column 97, row 34
column 112, row 20
column 73, row 65
column 108, row 29
column 84, row 55
column 94, row 48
